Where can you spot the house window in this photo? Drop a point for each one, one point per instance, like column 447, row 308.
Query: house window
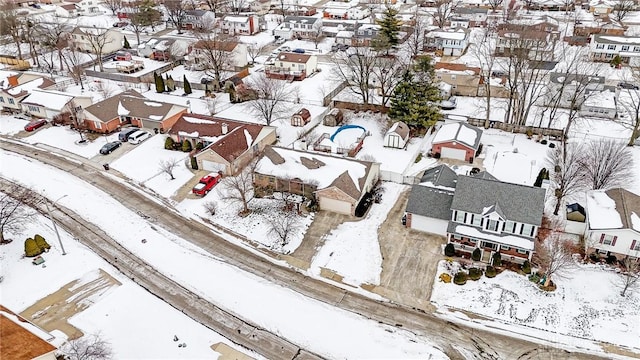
column 636, row 48
column 492, row 225
column 504, row 247
column 272, row 179
column 33, row 108
column 600, row 46
column 608, row 240
column 520, row 251
column 510, row 227
column 477, row 220
column 625, row 47
column 457, row 237
column 473, row 241
column 1, row 99
column 11, row 101
column 97, row 124
column 611, row 47
column 459, row 216
column 635, row 245
column 527, row 230
column 453, row 77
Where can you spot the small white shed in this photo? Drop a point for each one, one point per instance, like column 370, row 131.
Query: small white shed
column 397, row 136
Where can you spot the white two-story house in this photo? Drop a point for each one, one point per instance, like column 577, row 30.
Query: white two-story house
column 448, row 42
column 606, row 47
column 240, row 24
column 299, row 27
column 613, row 223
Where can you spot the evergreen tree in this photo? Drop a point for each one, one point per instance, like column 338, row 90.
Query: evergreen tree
column 542, row 175
column 415, row 98
column 170, row 83
column 159, row 83
column 126, row 44
column 187, row 85
column 389, row 26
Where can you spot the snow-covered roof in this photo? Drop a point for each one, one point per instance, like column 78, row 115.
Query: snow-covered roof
column 602, row 211
column 49, row 99
column 601, row 99
column 459, row 34
column 467, row 134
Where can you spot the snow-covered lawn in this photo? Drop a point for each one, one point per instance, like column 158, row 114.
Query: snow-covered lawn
column 352, row 249
column 586, row 304
column 10, row 125
column 62, row 137
column 314, row 325
column 135, row 323
column 142, row 164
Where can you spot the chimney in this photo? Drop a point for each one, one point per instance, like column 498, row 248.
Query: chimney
column 225, row 128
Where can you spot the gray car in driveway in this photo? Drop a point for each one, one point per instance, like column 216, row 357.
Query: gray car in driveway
column 124, row 134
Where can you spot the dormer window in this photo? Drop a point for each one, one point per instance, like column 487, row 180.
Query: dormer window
column 493, row 225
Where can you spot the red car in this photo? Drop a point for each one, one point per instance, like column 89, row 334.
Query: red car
column 36, row 124
column 205, row 185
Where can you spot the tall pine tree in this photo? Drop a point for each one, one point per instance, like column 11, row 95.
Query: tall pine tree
column 159, row 83
column 126, row 44
column 389, row 27
column 186, row 84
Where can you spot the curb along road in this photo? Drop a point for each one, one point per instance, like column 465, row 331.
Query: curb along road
column 482, row 343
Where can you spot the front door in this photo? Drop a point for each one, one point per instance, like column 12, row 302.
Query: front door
column 490, row 245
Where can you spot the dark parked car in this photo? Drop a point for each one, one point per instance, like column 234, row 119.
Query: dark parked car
column 630, row 86
column 299, row 51
column 124, row 134
column 110, row 147
column 36, row 124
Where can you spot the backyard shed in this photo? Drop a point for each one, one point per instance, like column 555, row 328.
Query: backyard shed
column 333, row 118
column 301, row 118
column 397, row 136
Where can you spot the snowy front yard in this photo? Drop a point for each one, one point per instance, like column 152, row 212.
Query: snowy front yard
column 586, row 304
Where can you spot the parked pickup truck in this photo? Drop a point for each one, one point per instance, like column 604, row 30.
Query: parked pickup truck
column 205, row 185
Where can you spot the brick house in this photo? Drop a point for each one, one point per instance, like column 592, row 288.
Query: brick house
column 457, row 140
column 292, row 66
column 613, row 223
column 130, row 107
column 228, row 145
column 337, row 184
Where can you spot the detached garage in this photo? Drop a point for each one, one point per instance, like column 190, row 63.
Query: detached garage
column 458, row 141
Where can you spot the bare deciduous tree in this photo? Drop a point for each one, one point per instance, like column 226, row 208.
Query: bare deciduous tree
column 254, row 50
column 143, row 15
column 53, row 37
column 566, row 176
column 104, row 88
column 176, row 11
column 167, row 167
column 12, row 24
column 272, row 97
column 415, row 40
column 15, row 201
column 443, row 11
column 483, row 50
column 87, row 347
column 495, row 4
column 98, row 38
column 73, row 59
column 76, row 115
column 210, row 207
column 607, row 163
column 629, row 99
column 554, row 257
column 113, row 5
column 214, row 52
column 622, row 8
column 355, row 68
column 629, row 276
column 283, row 227
column 239, row 188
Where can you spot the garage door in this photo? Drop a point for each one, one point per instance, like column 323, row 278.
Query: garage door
column 430, row 225
column 451, row 153
column 212, row 166
column 341, row 207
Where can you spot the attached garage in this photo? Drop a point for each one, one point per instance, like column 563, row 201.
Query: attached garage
column 212, row 166
column 427, row 224
column 339, row 206
column 451, row 153
column 429, row 209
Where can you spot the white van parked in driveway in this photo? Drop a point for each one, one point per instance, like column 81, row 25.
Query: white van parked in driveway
column 138, row 137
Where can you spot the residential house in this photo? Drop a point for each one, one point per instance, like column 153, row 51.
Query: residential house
column 364, row 34
column 301, row 117
column 23, row 340
column 337, row 184
column 234, row 54
column 292, row 66
column 601, row 7
column 130, row 107
column 468, row 17
column 457, row 140
column 397, row 136
column 340, row 10
column 227, row 145
column 260, row 7
column 447, row 42
column 83, row 38
column 587, row 28
column 344, row 37
column 87, row 7
column 299, row 27
column 164, row 49
column 606, row 47
column 11, row 96
column 429, row 204
column 333, row 118
column 240, row 24
column 464, row 80
column 613, row 223
column 550, row 5
column 67, row 10
column 576, row 217
column 48, row 104
column 297, row 10
column 601, row 104
column 575, row 88
column 198, row 19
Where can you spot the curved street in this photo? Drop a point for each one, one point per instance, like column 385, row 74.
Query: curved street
column 456, row 340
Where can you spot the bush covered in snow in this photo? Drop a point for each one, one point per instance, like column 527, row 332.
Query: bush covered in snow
column 475, row 274
column 460, row 278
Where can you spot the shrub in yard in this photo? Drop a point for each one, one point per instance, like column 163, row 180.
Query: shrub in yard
column 41, row 242
column 526, row 267
column 199, row 146
column 186, row 146
column 496, row 259
column 449, row 250
column 475, row 274
column 31, row 248
column 611, row 259
column 445, row 278
column 552, row 145
column 535, row 278
column 543, row 141
column 594, row 257
column 168, row 143
column 418, row 158
column 194, row 163
column 460, row 278
column 490, row 272
column 476, row 255
column 211, row 207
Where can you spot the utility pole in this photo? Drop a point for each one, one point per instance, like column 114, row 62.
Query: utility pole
column 55, row 227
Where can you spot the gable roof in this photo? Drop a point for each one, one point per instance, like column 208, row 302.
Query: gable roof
column 399, row 128
column 613, row 209
column 456, row 67
column 293, row 57
column 462, row 132
column 430, row 202
column 23, row 89
column 131, row 103
column 225, row 46
column 348, row 175
column 519, row 203
column 440, row 176
column 49, row 99
column 19, row 340
column 303, row 113
column 236, row 142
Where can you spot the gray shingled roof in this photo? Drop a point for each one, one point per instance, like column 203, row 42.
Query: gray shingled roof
column 441, row 175
column 518, row 202
column 430, row 202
